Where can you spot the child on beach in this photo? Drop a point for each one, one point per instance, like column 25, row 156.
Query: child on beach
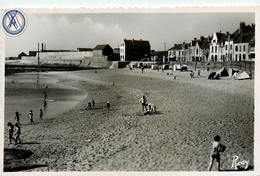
column 93, row 104
column 17, row 117
column 11, row 132
column 89, row 106
column 215, row 152
column 31, row 117
column 41, row 113
column 108, row 105
column 143, row 101
column 17, row 134
column 45, row 97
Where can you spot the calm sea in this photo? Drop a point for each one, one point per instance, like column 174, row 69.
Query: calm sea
column 24, row 92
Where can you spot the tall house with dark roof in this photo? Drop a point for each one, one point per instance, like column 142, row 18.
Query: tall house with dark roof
column 134, row 50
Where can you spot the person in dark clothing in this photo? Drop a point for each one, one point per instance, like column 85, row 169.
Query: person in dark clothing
column 93, row 104
column 17, row 117
column 108, row 105
column 10, row 132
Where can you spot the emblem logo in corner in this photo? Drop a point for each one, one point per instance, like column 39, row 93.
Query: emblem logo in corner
column 14, row 22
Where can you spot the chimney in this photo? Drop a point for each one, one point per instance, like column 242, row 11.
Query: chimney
column 42, row 47
column 242, row 26
column 201, row 38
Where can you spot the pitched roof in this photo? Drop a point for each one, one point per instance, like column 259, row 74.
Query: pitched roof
column 245, row 38
column 144, row 43
column 176, row 47
column 101, row 47
column 205, row 43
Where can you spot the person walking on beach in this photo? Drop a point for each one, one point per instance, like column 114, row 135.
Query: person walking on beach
column 108, row 105
column 45, row 97
column 17, row 134
column 10, row 132
column 31, row 117
column 93, row 104
column 41, row 113
column 217, row 147
column 143, row 101
column 17, row 117
column 199, row 73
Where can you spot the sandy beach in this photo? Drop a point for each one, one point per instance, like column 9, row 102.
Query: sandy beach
column 179, row 138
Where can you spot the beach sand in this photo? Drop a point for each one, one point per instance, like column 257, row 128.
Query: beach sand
column 179, row 138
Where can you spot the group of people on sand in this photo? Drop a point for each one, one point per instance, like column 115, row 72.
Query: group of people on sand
column 147, row 108
column 192, row 74
column 91, row 105
column 17, row 127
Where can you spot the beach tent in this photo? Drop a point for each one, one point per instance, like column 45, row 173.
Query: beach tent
column 184, row 68
column 223, row 72
column 176, row 67
column 241, row 76
column 166, row 67
column 155, row 67
column 231, row 71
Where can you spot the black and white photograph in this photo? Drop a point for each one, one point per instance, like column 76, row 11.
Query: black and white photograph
column 144, row 91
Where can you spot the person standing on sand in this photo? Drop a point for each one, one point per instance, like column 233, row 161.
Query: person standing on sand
column 142, row 68
column 11, row 132
column 108, row 105
column 45, row 97
column 41, row 113
column 199, row 73
column 31, row 117
column 217, row 147
column 93, row 104
column 17, row 117
column 17, row 134
column 143, row 101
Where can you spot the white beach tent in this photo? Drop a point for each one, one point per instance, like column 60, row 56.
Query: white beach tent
column 241, row 76
column 176, row 67
column 155, row 67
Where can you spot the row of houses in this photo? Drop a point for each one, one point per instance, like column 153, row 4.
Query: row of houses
column 237, row 46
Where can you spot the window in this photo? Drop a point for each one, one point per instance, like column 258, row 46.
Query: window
column 216, row 48
column 236, row 57
column 214, row 41
column 197, row 51
column 244, row 57
column 244, row 48
column 211, row 49
column 226, row 47
column 236, row 48
column 231, row 47
column 240, row 48
column 239, row 57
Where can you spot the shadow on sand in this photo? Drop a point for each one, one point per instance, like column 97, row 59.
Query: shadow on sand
column 239, row 169
column 13, row 160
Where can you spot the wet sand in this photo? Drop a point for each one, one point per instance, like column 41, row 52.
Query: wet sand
column 179, row 138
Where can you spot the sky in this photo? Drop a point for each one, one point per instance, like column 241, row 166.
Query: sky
column 71, row 31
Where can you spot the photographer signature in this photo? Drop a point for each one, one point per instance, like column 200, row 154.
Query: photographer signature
column 236, row 163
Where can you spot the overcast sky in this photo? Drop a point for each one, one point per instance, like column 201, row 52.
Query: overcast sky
column 70, row 31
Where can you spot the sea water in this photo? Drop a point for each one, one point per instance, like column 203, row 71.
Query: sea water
column 24, row 92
